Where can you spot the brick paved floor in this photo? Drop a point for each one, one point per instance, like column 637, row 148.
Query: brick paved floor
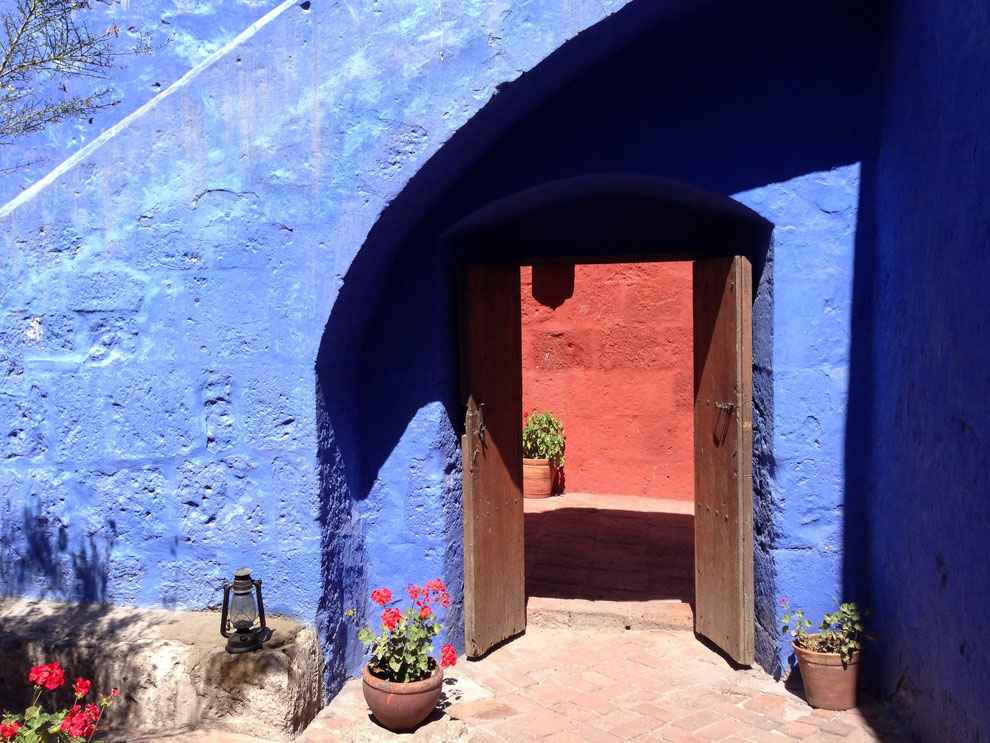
column 571, row 686
column 567, row 685
column 578, row 686
column 609, row 561
column 609, row 547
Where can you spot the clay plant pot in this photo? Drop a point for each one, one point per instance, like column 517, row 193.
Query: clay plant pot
column 828, row 684
column 537, row 478
column 398, row 706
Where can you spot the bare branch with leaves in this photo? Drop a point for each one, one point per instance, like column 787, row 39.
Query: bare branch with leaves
column 44, row 46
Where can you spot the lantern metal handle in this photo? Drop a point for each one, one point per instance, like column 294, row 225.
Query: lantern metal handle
column 261, row 608
column 223, row 614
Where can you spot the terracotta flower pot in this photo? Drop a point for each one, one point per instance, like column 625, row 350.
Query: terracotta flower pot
column 537, row 478
column 398, row 706
column 827, row 683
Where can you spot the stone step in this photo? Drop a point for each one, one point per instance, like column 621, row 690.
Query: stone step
column 554, row 613
column 171, row 668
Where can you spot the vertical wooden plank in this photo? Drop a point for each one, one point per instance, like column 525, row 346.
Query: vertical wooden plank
column 491, row 367
column 723, row 425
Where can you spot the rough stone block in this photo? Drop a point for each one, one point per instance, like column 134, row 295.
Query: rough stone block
column 107, row 291
column 170, row 667
column 38, row 334
column 22, row 425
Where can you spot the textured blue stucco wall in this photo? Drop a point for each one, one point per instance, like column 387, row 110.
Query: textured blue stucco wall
column 228, row 331
column 181, row 33
column 164, row 297
column 926, row 376
column 801, row 469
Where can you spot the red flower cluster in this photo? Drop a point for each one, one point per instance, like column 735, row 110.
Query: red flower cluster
column 381, row 596
column 81, row 687
column 81, row 723
column 51, row 676
column 448, row 656
column 8, row 730
column 391, row 617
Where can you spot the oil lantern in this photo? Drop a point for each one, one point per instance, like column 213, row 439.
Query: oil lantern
column 243, row 619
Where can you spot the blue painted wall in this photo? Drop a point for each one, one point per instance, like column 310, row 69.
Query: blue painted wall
column 164, row 297
column 727, row 71
column 176, row 401
column 925, row 374
column 182, row 33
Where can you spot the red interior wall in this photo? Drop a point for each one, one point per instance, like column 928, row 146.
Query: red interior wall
column 607, row 348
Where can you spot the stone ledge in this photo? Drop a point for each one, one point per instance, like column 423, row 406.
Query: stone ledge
column 171, row 668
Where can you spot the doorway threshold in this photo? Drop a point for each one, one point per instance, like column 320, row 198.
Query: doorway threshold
column 609, row 561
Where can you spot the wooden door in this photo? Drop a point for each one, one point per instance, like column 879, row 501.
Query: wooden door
column 723, row 455
column 491, row 447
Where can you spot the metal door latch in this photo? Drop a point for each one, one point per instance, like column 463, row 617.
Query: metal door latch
column 481, row 421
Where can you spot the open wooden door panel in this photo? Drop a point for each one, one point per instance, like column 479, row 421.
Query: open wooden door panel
column 723, row 456
column 491, row 447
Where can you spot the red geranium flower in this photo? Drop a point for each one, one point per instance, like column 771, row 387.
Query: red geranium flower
column 51, row 676
column 81, row 687
column 413, row 591
column 391, row 617
column 8, row 730
column 448, row 656
column 381, row 596
column 78, row 724
column 114, row 692
column 425, row 612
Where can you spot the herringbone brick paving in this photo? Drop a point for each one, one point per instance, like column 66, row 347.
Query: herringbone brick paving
column 566, row 686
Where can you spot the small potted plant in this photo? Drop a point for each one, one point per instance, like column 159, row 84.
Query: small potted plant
column 828, row 659
column 543, row 453
column 402, row 683
column 79, row 723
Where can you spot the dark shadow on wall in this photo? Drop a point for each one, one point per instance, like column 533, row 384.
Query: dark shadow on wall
column 553, row 285
column 728, row 96
column 37, row 558
column 922, row 364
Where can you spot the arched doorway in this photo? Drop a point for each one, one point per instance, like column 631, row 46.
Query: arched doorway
column 650, row 218
column 394, row 416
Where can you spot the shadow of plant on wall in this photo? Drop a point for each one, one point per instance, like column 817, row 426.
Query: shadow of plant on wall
column 38, row 558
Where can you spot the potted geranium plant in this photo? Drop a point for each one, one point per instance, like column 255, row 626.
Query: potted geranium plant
column 402, row 682
column 828, row 659
column 79, row 723
column 543, row 453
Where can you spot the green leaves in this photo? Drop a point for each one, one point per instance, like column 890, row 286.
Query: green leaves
column 840, row 632
column 402, row 653
column 543, row 438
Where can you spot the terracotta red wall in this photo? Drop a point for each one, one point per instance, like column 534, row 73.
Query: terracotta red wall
column 608, row 349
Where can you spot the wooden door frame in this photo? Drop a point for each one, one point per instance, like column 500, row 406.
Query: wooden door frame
column 650, row 258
